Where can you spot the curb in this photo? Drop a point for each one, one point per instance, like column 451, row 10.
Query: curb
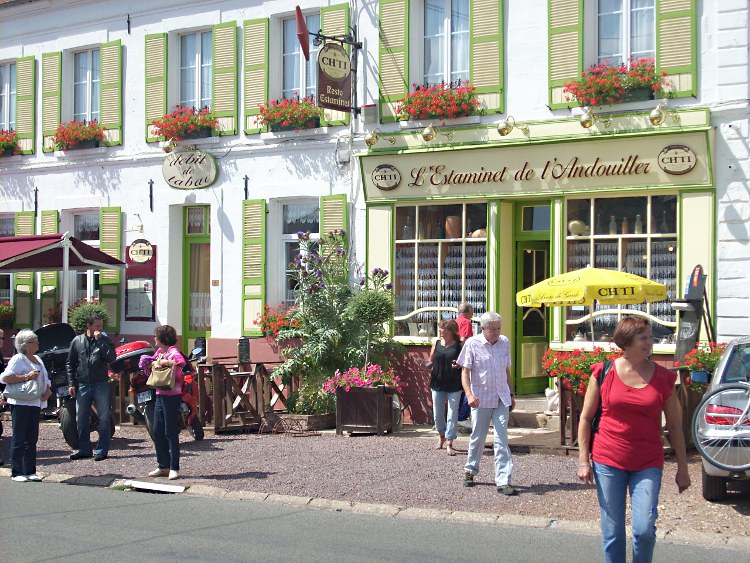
column 589, row 528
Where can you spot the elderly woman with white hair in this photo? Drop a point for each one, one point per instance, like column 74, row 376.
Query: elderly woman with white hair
column 25, row 412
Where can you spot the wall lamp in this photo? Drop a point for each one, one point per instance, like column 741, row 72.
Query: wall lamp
column 373, row 137
column 169, row 146
column 659, row 114
column 589, row 118
column 430, row 132
column 507, row 125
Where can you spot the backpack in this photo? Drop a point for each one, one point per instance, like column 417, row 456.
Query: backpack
column 598, row 415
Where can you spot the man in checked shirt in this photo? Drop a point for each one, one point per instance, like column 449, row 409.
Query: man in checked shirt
column 485, row 376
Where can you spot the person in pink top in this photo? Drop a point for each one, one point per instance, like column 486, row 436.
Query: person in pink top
column 628, row 453
column 165, row 431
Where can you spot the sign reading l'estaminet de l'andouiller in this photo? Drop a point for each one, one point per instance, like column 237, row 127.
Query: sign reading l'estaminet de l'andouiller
column 189, row 170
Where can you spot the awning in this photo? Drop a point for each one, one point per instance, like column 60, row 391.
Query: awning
column 37, row 253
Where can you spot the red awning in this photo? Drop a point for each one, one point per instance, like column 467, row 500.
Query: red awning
column 38, row 253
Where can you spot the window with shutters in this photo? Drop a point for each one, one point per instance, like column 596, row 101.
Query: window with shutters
column 625, row 30
column 7, row 229
column 297, row 217
column 86, row 85
column 445, row 53
column 299, row 77
column 86, row 228
column 7, row 96
column 196, row 69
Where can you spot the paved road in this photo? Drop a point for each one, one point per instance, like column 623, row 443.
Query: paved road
column 49, row 521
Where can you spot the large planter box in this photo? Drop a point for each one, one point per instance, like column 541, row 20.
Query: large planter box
column 309, row 422
column 278, row 127
column 367, row 410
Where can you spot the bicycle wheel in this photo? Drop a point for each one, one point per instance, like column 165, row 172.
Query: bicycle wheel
column 721, row 427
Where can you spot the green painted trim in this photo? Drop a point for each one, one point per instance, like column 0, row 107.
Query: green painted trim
column 518, row 234
column 499, row 88
column 250, row 111
column 325, row 227
column 555, row 31
column 112, row 86
column 31, row 99
column 111, row 280
column 187, row 241
column 221, row 74
column 162, row 78
column 51, row 93
column 383, row 52
column 49, row 279
column 262, row 241
column 691, row 68
column 325, row 10
column 24, row 279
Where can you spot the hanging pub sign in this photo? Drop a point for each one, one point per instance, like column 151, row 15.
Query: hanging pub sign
column 334, row 78
column 189, row 170
column 140, row 251
column 140, row 281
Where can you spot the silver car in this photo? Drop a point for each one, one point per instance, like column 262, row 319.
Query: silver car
column 721, row 425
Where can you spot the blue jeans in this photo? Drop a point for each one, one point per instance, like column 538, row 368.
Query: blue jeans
column 612, row 485
column 480, row 424
column 25, row 421
column 439, row 398
column 98, row 394
column 166, row 433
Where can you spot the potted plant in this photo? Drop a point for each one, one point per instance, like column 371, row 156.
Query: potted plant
column 704, row 357
column 603, row 83
column 78, row 135
column 185, row 123
column 7, row 314
column 79, row 311
column 54, row 314
column 271, row 320
column 290, row 114
column 439, row 101
column 8, row 143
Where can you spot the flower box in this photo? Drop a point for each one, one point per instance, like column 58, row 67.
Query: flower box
column 638, row 95
column 78, row 135
column 90, row 144
column 201, row 133
column 9, row 143
column 290, row 114
column 366, row 410
column 308, row 422
column 439, row 101
column 278, row 127
column 603, row 84
column 185, row 123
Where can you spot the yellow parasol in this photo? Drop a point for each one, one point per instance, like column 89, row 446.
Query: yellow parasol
column 584, row 286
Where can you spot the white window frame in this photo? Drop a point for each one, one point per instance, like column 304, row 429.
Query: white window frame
column 8, row 276
column 591, row 27
column 308, row 70
column 89, row 278
column 417, row 50
column 291, row 239
column 92, row 82
column 8, row 96
column 201, row 98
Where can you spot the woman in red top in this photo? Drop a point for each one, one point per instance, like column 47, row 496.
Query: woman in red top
column 628, row 452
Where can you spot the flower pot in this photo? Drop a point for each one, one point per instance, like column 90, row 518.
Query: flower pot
column 367, row 410
column 202, row 133
column 7, row 152
column 278, row 127
column 88, row 144
column 638, row 95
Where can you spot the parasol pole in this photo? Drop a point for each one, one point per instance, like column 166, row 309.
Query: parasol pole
column 591, row 323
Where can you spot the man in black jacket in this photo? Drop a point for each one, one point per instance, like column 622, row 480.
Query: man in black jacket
column 88, row 380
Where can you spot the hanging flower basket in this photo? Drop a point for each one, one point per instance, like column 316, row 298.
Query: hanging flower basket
column 439, row 101
column 7, row 314
column 290, row 114
column 8, row 143
column 185, row 123
column 78, row 135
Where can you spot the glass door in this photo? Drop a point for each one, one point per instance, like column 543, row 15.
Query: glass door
column 197, row 273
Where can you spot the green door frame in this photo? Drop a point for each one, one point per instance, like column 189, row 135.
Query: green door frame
column 189, row 239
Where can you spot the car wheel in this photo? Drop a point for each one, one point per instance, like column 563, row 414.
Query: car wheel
column 714, row 488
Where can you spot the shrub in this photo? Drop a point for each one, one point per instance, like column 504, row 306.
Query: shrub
column 81, row 310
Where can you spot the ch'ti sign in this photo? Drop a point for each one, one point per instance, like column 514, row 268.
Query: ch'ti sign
column 189, row 170
column 334, row 78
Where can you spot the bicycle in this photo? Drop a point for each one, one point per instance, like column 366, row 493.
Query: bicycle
column 721, row 427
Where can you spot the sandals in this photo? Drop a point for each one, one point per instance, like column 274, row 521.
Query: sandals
column 441, row 441
column 449, row 448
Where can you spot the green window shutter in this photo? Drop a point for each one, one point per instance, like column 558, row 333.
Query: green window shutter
column 253, row 263
column 676, row 46
column 487, row 54
column 111, row 92
column 50, row 280
column 255, row 78
column 393, row 62
column 565, row 50
column 23, row 282
column 156, row 82
column 110, row 242
column 25, row 103
column 335, row 22
column 334, row 214
column 225, row 77
column 51, row 95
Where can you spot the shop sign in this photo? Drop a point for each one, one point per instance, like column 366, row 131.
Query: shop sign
column 140, row 251
column 677, row 159
column 189, row 170
column 334, row 78
column 386, row 177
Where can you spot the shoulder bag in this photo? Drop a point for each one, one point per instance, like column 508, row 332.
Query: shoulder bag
column 24, row 391
column 161, row 378
column 598, row 415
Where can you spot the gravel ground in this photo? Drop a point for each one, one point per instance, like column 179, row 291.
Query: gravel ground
column 403, row 471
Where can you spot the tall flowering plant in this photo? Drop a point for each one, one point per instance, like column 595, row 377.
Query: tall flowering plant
column 439, row 101
column 371, row 375
column 704, row 357
column 602, row 83
column 184, row 121
column 574, row 366
column 8, row 142
column 291, row 113
column 272, row 320
column 69, row 135
column 7, row 314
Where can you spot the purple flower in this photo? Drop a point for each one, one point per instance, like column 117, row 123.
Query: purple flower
column 389, row 285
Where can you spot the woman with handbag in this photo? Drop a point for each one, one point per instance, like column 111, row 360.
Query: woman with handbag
column 27, row 388
column 445, row 383
column 165, row 431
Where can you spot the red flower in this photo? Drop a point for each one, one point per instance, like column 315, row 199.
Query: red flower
column 182, row 121
column 70, row 134
column 443, row 101
column 602, row 82
column 299, row 113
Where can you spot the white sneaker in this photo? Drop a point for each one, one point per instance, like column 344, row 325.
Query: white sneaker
column 34, row 477
column 174, row 475
column 158, row 473
column 20, row 478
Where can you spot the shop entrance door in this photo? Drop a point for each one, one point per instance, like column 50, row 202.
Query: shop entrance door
column 196, row 304
column 532, row 266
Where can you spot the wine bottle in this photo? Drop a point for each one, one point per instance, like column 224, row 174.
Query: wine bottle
column 663, row 226
column 612, row 225
column 408, row 229
column 598, row 225
column 638, row 228
column 624, row 230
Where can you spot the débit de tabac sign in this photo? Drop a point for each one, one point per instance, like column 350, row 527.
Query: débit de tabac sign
column 189, row 170
column 334, row 78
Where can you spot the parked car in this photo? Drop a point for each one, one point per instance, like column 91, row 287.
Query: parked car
column 721, row 425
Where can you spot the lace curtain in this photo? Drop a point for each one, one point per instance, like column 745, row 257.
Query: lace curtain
column 301, row 217
column 7, row 226
column 86, row 227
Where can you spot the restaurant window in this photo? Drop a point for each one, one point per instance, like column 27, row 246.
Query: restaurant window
column 86, row 228
column 8, row 96
column 299, row 77
column 445, row 54
column 441, row 260
column 197, row 221
column 631, row 234
column 626, row 29
column 196, row 68
column 298, row 217
column 86, row 85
